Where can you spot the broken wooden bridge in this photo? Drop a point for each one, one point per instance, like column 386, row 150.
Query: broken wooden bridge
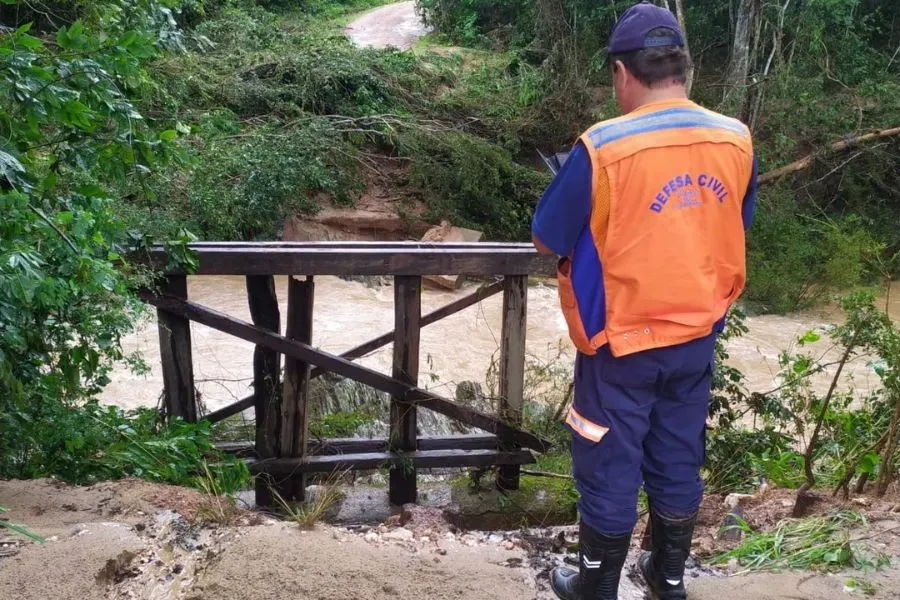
column 282, row 452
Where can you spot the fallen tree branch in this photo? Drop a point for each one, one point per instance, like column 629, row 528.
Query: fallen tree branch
column 850, row 141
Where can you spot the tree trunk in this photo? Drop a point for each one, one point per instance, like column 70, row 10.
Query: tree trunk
column 739, row 67
column 886, row 474
column 679, row 13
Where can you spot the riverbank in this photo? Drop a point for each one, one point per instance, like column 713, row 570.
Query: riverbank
column 131, row 539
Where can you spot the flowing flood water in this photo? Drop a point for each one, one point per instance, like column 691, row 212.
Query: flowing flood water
column 458, row 348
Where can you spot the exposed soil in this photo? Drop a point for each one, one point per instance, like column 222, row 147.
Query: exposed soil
column 388, row 209
column 122, row 540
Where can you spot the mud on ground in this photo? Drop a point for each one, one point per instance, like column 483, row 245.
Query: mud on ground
column 135, row 540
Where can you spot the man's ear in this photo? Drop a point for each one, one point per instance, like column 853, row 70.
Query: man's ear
column 620, row 73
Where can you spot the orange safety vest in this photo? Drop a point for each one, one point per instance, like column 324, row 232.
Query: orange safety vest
column 663, row 257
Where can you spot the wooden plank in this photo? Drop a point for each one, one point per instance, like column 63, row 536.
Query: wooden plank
column 258, row 335
column 295, row 401
column 478, row 441
column 175, row 355
column 403, row 421
column 425, row 459
column 512, row 366
column 307, row 259
column 266, row 375
column 230, row 410
column 358, row 244
column 432, row 317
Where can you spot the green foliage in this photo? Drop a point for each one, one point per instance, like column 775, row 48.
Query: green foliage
column 473, row 183
column 818, row 543
column 830, row 73
column 737, row 460
column 67, row 129
column 71, row 135
column 339, row 424
column 794, row 261
column 88, row 443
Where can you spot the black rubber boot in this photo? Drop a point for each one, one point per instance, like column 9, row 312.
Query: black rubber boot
column 601, row 559
column 663, row 567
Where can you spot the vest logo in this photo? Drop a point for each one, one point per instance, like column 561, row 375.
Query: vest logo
column 686, row 193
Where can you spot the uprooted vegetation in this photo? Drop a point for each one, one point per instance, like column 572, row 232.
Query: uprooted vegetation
column 280, row 114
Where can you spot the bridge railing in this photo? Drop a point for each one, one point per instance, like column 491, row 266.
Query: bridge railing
column 282, row 452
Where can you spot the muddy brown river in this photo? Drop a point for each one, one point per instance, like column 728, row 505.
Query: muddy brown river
column 458, row 348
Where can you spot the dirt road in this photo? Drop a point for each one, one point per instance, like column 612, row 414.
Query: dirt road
column 395, row 25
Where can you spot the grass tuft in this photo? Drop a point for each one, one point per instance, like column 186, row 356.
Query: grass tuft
column 307, row 514
column 218, row 506
column 817, row 543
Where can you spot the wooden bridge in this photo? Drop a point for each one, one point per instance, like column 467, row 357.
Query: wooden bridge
column 282, row 453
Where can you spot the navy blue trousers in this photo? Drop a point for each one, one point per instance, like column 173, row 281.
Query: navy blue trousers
column 640, row 419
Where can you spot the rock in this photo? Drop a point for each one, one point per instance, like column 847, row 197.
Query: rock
column 865, row 502
column 399, row 535
column 447, row 233
column 733, row 501
column 509, row 545
column 495, row 539
column 425, row 539
column 442, row 551
column 731, row 526
column 371, row 537
column 406, row 513
column 895, row 508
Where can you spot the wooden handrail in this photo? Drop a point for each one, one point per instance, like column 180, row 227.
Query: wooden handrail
column 360, row 258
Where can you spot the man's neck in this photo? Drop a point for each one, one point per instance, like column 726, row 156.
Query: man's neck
column 653, row 95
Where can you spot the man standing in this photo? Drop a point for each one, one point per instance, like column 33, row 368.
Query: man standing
column 648, row 214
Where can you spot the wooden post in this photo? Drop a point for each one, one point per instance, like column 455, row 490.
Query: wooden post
column 403, row 435
column 512, row 366
column 266, row 371
column 295, row 404
column 175, row 355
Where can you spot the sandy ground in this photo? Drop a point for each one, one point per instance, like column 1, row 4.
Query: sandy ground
column 394, row 25
column 326, row 565
column 135, row 540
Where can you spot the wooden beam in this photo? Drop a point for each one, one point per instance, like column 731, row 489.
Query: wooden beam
column 258, row 335
column 295, row 401
column 403, row 421
column 175, row 355
column 512, row 366
column 266, row 375
column 432, row 317
column 230, row 410
column 425, row 459
column 372, row 259
column 376, row 343
column 478, row 441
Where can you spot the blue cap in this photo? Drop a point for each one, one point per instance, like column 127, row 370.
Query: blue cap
column 630, row 31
